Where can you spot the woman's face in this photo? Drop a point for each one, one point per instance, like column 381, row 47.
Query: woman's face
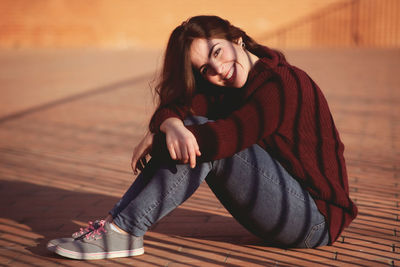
column 220, row 61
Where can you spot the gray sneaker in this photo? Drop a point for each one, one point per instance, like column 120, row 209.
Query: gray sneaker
column 101, row 243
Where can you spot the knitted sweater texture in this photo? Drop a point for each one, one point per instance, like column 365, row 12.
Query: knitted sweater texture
column 281, row 109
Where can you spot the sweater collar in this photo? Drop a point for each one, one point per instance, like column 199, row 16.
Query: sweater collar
column 263, row 69
column 268, row 60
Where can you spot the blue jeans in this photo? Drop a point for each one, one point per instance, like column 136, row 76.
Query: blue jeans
column 252, row 186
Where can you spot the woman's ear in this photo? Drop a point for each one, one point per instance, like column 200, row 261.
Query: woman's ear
column 239, row 41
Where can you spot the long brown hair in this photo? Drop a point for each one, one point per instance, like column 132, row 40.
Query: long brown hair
column 177, row 82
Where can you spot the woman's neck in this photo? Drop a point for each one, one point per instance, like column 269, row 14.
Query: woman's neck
column 252, row 58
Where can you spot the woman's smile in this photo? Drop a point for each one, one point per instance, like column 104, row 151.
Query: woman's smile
column 231, row 75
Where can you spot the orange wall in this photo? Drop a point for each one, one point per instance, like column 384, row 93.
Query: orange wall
column 127, row 23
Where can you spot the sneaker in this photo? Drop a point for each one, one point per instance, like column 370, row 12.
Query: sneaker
column 101, row 243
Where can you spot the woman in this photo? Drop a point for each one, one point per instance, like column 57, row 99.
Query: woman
column 257, row 129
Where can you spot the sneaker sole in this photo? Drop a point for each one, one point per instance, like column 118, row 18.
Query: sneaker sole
column 98, row 255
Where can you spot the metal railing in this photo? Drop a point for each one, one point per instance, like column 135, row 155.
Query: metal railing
column 351, row 23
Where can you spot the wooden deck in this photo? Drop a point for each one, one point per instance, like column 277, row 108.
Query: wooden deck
column 69, row 120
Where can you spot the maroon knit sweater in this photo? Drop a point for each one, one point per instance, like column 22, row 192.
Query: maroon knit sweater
column 281, row 109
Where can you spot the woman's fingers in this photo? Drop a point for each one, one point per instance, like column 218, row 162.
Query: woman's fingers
column 189, row 151
column 197, row 149
column 134, row 167
column 178, row 152
column 171, row 150
column 139, row 164
column 142, row 163
column 195, row 152
column 192, row 157
column 140, row 152
column 184, row 152
column 133, row 162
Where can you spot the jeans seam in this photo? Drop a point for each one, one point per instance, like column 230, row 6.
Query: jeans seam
column 314, row 229
column 289, row 190
column 163, row 196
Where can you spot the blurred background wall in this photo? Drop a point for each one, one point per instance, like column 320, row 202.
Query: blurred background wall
column 351, row 23
column 147, row 24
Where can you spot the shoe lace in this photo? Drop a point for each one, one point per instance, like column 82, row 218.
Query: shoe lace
column 83, row 231
column 93, row 230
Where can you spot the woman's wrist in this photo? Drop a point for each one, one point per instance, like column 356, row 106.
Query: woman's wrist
column 149, row 138
column 170, row 122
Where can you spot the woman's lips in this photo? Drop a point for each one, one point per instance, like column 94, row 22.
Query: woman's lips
column 230, row 76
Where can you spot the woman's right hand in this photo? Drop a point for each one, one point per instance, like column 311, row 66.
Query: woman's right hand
column 140, row 153
column 181, row 143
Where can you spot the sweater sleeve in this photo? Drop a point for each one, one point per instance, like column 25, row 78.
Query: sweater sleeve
column 200, row 106
column 256, row 119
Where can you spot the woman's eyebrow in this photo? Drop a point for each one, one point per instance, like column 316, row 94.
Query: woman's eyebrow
column 211, row 49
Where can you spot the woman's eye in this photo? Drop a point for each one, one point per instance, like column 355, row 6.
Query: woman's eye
column 217, row 51
column 204, row 70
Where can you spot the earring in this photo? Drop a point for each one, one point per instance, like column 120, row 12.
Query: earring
column 243, row 45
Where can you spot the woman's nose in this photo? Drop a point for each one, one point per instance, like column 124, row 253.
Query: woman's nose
column 218, row 68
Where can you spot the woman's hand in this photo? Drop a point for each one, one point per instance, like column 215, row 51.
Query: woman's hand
column 181, row 143
column 140, row 152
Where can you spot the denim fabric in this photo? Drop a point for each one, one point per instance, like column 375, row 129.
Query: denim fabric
column 252, row 186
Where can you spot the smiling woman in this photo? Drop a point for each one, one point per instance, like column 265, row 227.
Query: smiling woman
column 258, row 130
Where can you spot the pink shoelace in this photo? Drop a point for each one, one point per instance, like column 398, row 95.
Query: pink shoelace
column 93, row 230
